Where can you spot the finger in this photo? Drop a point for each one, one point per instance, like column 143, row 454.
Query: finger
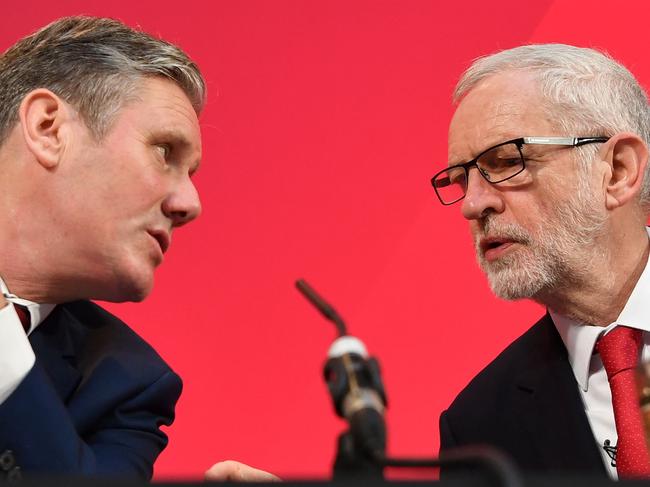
column 231, row 471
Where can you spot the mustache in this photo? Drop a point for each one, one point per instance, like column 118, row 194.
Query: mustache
column 491, row 227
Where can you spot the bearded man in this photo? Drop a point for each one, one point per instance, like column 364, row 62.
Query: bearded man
column 548, row 152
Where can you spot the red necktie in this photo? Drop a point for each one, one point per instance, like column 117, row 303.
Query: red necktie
column 23, row 314
column 619, row 350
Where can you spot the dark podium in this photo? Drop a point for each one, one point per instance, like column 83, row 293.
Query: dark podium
column 549, row 480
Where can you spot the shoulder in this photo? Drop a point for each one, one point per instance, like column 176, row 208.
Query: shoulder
column 95, row 334
column 491, row 388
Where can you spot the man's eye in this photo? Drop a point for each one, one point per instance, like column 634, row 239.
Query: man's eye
column 497, row 165
column 510, row 161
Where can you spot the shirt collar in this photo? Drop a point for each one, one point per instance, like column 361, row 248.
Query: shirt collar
column 580, row 338
column 37, row 311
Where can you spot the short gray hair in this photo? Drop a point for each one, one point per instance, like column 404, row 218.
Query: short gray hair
column 95, row 65
column 588, row 92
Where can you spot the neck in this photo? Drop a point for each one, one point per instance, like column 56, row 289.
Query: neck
column 598, row 293
column 17, row 281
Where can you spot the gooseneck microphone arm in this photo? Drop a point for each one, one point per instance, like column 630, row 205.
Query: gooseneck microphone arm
column 321, row 305
column 354, row 382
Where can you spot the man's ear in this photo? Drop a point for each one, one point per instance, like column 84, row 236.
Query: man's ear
column 42, row 115
column 627, row 156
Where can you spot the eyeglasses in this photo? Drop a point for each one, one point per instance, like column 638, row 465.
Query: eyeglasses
column 496, row 164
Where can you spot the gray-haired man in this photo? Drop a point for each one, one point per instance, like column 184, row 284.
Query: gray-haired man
column 99, row 138
column 548, row 153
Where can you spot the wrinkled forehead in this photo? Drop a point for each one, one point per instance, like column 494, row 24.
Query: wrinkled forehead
column 501, row 107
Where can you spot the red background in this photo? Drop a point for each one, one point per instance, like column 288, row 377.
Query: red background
column 324, row 123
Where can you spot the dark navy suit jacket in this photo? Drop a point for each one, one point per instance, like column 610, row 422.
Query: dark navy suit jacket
column 527, row 403
column 93, row 403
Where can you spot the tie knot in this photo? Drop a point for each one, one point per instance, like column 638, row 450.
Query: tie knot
column 23, row 315
column 619, row 349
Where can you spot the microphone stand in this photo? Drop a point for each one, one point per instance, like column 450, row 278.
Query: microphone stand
column 361, row 449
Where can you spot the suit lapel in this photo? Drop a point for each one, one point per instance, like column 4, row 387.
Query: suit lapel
column 550, row 407
column 55, row 351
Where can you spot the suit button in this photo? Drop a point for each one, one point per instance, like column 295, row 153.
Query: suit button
column 7, row 460
column 14, row 475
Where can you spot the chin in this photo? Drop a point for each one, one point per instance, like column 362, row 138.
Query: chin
column 131, row 286
column 520, row 282
column 138, row 295
column 138, row 291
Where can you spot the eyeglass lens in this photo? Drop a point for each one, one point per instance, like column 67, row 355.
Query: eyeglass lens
column 495, row 165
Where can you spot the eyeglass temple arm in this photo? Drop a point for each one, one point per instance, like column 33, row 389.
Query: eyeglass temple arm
column 570, row 141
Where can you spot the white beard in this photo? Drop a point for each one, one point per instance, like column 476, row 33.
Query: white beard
column 556, row 253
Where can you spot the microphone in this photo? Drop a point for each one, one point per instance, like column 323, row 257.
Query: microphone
column 610, row 450
column 354, row 382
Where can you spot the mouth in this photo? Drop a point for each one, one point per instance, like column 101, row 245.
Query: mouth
column 162, row 237
column 493, row 247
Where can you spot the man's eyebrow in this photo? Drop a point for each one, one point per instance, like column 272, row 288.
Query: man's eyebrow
column 458, row 161
column 475, row 154
column 172, row 135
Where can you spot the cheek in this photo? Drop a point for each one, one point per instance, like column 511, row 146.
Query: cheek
column 544, row 198
column 136, row 190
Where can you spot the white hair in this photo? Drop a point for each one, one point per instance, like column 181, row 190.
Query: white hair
column 587, row 92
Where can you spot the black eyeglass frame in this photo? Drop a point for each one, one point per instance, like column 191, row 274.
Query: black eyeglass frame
column 519, row 142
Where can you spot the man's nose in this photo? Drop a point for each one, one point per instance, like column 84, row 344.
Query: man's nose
column 182, row 205
column 481, row 197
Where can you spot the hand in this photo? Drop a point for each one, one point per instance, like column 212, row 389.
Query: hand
column 3, row 301
column 231, row 471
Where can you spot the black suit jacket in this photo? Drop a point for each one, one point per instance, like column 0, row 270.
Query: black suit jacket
column 93, row 403
column 526, row 403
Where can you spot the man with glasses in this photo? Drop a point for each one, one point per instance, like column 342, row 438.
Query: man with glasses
column 548, row 153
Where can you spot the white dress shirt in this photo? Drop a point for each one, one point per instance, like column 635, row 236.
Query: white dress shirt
column 580, row 340
column 16, row 354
